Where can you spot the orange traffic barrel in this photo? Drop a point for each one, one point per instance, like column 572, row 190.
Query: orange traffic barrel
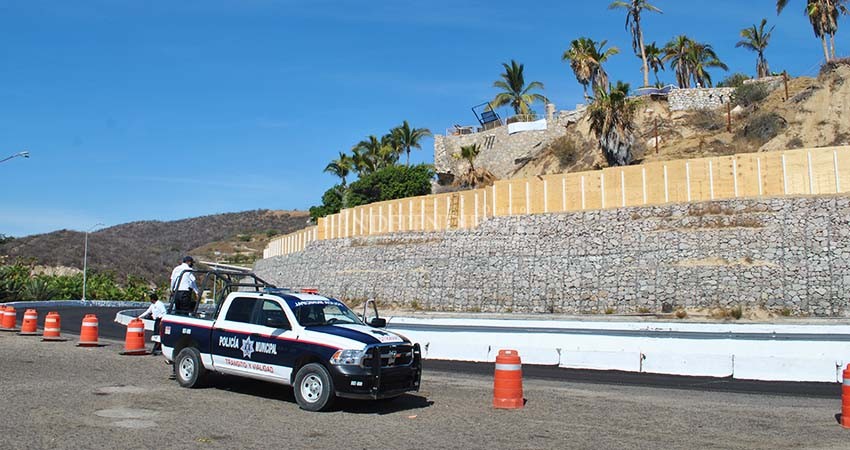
column 52, row 327
column 507, row 383
column 29, row 327
column 134, row 343
column 845, row 398
column 10, row 319
column 88, row 332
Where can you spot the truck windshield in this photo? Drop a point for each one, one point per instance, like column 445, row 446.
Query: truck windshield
column 320, row 312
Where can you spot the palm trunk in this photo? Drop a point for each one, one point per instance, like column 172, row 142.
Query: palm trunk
column 832, row 43
column 643, row 56
column 825, row 47
column 408, row 157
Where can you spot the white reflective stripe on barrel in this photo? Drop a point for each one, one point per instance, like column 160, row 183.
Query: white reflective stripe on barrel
column 50, row 320
column 846, row 382
column 8, row 313
column 136, row 330
column 31, row 317
column 508, row 366
column 87, row 324
column 51, row 329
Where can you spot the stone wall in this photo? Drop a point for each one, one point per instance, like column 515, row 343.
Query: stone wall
column 701, row 98
column 784, row 254
column 501, row 153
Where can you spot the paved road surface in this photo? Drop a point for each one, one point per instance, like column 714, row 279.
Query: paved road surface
column 57, row 396
column 72, row 318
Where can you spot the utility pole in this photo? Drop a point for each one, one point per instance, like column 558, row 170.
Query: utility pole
column 656, row 135
column 729, row 117
column 785, row 80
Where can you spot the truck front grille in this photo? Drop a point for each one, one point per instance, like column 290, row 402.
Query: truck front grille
column 395, row 355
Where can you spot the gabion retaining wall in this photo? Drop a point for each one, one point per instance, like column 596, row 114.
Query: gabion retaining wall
column 790, row 254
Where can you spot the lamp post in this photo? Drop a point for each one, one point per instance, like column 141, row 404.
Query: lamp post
column 86, row 254
column 24, row 154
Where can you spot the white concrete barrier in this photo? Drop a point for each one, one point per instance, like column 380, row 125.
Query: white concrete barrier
column 781, row 368
column 626, row 361
column 692, row 364
column 745, row 351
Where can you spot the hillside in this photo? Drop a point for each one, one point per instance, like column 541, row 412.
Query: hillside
column 149, row 249
column 812, row 116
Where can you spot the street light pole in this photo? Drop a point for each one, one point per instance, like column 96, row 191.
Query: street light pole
column 24, row 154
column 86, row 254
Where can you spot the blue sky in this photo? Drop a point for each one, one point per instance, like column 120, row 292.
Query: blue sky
column 162, row 110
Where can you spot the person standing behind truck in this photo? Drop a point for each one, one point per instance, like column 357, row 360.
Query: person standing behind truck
column 182, row 287
column 155, row 311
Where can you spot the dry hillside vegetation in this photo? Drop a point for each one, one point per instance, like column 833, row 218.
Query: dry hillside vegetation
column 816, row 114
column 149, row 249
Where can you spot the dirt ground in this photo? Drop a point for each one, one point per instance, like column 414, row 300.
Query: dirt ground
column 58, row 396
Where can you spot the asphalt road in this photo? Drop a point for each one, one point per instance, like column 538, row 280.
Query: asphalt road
column 57, row 396
column 72, row 318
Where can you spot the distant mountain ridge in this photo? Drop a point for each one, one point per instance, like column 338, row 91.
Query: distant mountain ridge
column 150, row 249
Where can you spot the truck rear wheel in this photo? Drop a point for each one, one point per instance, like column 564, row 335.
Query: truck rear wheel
column 314, row 388
column 189, row 369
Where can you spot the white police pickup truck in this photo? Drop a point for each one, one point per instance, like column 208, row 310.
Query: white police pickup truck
column 313, row 343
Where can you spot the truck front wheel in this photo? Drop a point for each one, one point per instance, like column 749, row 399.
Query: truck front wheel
column 189, row 369
column 314, row 388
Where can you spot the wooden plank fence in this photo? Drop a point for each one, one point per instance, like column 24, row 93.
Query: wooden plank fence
column 794, row 172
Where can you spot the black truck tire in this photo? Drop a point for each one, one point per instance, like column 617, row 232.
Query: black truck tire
column 189, row 368
column 314, row 388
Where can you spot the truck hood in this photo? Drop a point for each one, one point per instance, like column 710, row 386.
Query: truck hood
column 351, row 335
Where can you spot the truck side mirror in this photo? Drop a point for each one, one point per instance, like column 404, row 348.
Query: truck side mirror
column 378, row 322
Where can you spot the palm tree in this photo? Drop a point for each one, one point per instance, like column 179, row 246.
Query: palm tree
column 702, row 57
column 757, row 40
column 691, row 61
column 373, row 154
column 469, row 153
column 676, row 52
column 586, row 57
column 340, row 166
column 408, row 138
column 655, row 59
column 612, row 116
column 473, row 177
column 633, row 10
column 515, row 92
column 823, row 15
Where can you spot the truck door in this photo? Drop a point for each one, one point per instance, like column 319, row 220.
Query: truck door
column 273, row 356
column 232, row 342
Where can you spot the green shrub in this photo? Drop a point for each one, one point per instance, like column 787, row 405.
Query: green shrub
column 736, row 312
column 735, row 80
column 749, row 94
column 389, row 183
column 706, row 120
column 565, row 150
column 37, row 289
column 764, row 126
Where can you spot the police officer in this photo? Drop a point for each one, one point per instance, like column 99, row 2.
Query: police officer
column 155, row 311
column 182, row 286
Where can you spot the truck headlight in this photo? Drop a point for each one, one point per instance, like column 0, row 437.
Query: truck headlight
column 347, row 357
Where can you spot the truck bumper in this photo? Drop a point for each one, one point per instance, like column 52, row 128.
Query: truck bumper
column 378, row 382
